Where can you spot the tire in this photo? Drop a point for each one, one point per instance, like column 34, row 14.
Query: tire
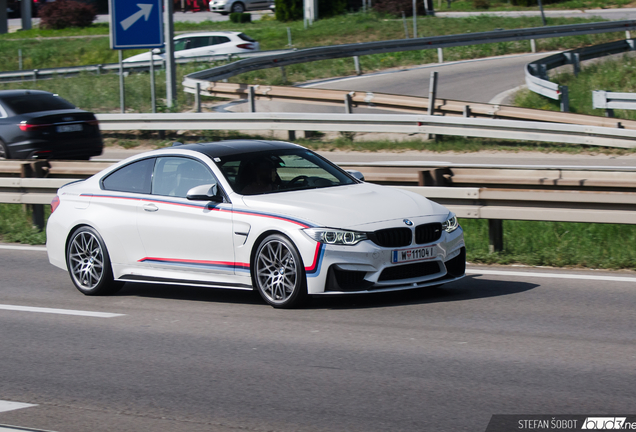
column 4, row 152
column 89, row 264
column 278, row 273
column 238, row 7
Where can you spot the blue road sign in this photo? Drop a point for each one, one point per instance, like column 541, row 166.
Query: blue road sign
column 136, row 24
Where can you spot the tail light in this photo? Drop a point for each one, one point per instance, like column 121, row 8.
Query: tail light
column 93, row 122
column 25, row 126
column 55, row 203
column 245, row 46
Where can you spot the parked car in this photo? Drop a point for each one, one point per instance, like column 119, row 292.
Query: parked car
column 14, row 8
column 36, row 124
column 269, row 216
column 204, row 44
column 225, row 7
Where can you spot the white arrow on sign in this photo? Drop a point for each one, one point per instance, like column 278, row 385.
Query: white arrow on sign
column 143, row 12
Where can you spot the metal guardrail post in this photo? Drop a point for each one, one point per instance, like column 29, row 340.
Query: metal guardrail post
column 356, row 63
column 251, row 99
column 533, row 46
column 35, row 75
column 348, row 104
column 406, row 29
column 495, row 235
column 197, row 98
column 283, row 74
column 432, row 93
column 38, row 169
column 440, row 55
column 565, row 98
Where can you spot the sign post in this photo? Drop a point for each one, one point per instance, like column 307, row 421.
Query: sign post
column 135, row 25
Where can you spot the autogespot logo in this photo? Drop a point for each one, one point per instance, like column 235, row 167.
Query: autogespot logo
column 607, row 423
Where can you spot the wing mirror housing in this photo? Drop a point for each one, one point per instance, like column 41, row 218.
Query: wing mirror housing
column 156, row 51
column 356, row 174
column 207, row 192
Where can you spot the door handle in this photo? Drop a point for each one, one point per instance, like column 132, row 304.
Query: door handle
column 150, row 207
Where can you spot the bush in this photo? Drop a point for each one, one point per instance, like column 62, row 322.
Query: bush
column 534, row 3
column 66, row 13
column 330, row 8
column 289, row 10
column 240, row 17
column 396, row 7
column 481, row 4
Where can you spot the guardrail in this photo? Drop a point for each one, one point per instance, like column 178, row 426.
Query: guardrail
column 47, row 73
column 352, row 50
column 494, row 204
column 410, row 124
column 401, row 103
column 609, row 101
column 536, row 72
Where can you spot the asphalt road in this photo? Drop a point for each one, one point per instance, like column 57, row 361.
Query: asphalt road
column 185, row 359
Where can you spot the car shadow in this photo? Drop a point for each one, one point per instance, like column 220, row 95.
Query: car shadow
column 469, row 288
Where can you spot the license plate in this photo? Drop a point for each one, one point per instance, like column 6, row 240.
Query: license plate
column 69, row 128
column 409, row 255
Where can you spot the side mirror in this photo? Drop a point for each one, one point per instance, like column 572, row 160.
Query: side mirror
column 356, row 174
column 207, row 192
column 156, row 51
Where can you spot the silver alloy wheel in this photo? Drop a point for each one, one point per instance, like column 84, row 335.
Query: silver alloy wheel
column 238, row 7
column 276, row 271
column 86, row 260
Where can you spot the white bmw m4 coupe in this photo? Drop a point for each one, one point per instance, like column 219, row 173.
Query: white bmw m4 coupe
column 269, row 216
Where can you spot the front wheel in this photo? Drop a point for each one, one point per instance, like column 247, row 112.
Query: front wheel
column 279, row 274
column 89, row 264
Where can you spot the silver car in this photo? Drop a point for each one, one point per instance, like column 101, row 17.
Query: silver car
column 225, row 7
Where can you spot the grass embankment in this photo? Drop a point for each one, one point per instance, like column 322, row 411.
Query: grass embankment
column 16, row 225
column 505, row 5
column 100, row 93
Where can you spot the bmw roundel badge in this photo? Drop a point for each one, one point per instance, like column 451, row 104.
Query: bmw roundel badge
column 408, row 222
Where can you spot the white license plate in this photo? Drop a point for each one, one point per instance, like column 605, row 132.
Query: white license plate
column 415, row 254
column 69, row 128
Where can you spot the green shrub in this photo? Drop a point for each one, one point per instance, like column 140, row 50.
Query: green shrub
column 330, row 8
column 531, row 3
column 396, row 7
column 289, row 10
column 481, row 4
column 66, row 13
column 240, row 17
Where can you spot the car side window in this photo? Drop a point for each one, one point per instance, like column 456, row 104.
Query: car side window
column 175, row 176
column 134, row 177
column 199, row 42
column 182, row 44
column 220, row 40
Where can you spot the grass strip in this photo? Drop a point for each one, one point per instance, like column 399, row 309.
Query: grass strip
column 16, row 225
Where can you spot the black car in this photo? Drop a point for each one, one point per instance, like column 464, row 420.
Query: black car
column 36, row 124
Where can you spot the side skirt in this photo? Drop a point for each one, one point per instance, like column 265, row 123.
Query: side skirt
column 168, row 281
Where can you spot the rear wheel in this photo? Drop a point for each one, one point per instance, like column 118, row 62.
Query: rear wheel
column 238, row 7
column 4, row 153
column 89, row 264
column 279, row 274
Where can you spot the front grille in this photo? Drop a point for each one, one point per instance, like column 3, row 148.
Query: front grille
column 428, row 233
column 392, row 237
column 409, row 271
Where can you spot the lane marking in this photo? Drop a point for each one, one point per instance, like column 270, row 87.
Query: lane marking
column 552, row 275
column 10, row 406
column 60, row 311
column 26, row 248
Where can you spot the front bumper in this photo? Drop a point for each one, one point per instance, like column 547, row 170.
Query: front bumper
column 366, row 268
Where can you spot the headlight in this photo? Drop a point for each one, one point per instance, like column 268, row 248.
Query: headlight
column 451, row 223
column 335, row 236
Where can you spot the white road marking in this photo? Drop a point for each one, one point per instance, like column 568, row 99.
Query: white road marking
column 60, row 311
column 10, row 406
column 552, row 275
column 25, row 248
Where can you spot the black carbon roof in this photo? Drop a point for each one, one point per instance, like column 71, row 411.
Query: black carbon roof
column 234, row 147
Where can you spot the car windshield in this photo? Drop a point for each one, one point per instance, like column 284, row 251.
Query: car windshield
column 280, row 170
column 36, row 102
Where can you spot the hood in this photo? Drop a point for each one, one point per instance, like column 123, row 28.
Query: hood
column 349, row 207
